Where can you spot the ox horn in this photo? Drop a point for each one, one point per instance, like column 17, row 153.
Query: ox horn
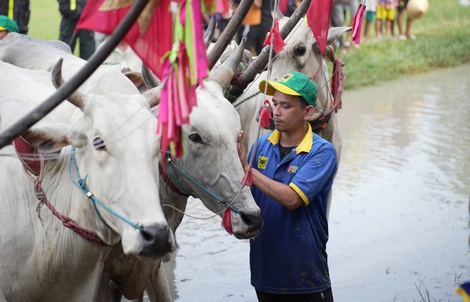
column 209, row 33
column 150, row 80
column 76, row 98
column 227, row 35
column 153, row 96
column 224, row 73
column 260, row 63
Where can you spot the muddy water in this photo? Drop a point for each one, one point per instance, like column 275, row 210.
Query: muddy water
column 399, row 222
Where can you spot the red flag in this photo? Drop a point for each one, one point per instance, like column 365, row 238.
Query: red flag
column 152, row 26
column 275, row 35
column 318, row 17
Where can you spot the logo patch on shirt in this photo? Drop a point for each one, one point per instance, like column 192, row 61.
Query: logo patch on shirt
column 293, row 169
column 262, row 161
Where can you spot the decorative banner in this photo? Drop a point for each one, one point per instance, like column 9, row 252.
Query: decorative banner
column 318, row 17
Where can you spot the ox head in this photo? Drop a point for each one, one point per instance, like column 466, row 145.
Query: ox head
column 211, row 156
column 302, row 54
column 118, row 151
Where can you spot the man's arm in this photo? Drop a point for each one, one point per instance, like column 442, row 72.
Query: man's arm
column 277, row 191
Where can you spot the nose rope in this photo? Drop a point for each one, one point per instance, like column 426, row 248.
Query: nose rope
column 81, row 184
column 219, row 199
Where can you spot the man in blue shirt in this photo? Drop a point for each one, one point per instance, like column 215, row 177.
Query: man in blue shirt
column 293, row 171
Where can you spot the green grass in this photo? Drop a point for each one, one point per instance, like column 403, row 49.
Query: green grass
column 45, row 19
column 443, row 40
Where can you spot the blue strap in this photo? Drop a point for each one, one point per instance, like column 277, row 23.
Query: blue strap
column 81, row 184
column 173, row 165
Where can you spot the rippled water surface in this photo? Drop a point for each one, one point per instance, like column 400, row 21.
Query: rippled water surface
column 399, row 222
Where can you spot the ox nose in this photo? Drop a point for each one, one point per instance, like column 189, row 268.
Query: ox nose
column 254, row 222
column 156, row 240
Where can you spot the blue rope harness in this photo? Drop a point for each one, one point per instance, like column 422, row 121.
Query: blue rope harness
column 173, row 165
column 81, row 184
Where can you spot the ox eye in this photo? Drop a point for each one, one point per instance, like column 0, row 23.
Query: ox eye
column 98, row 143
column 300, row 51
column 194, row 137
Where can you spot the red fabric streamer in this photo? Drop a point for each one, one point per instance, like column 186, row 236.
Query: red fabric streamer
column 104, row 16
column 227, row 221
column 277, row 38
column 318, row 18
column 247, row 178
column 357, row 24
column 265, row 115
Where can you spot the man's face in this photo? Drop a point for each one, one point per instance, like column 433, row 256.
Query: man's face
column 3, row 34
column 290, row 112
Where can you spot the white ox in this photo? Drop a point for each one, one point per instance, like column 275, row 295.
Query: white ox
column 211, row 160
column 209, row 170
column 116, row 152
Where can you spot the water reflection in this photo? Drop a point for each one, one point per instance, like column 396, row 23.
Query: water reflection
column 399, row 219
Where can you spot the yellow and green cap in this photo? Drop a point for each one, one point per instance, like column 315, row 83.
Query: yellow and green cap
column 293, row 83
column 8, row 24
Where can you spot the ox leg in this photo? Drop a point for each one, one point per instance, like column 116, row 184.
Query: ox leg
column 158, row 289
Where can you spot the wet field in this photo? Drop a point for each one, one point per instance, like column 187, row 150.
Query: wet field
column 399, row 221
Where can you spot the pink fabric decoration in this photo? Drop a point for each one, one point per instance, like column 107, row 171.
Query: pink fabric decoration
column 357, row 24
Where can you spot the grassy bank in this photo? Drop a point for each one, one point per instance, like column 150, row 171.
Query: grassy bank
column 443, row 40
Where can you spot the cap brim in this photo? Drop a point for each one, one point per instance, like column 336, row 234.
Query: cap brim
column 2, row 28
column 273, row 86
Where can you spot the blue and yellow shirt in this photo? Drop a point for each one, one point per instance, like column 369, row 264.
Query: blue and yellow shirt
column 289, row 255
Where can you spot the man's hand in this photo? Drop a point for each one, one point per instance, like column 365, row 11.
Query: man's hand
column 242, row 152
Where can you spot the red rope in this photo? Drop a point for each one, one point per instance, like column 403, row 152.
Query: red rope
column 68, row 222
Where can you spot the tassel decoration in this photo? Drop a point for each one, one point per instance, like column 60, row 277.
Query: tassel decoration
column 227, row 221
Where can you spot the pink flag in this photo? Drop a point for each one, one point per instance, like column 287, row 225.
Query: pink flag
column 357, row 24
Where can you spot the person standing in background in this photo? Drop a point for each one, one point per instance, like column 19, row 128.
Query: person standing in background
column 385, row 12
column 371, row 8
column 407, row 34
column 258, row 33
column 18, row 10
column 71, row 11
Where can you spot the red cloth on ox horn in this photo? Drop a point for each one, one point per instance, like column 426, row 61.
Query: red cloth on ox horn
column 357, row 24
column 227, row 221
column 318, row 18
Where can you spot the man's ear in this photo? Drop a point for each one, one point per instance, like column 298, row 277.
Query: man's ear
column 309, row 112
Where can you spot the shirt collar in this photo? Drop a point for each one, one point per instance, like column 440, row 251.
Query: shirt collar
column 304, row 146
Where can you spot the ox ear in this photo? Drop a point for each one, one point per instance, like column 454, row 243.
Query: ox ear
column 48, row 137
column 45, row 135
column 76, row 98
column 336, row 32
